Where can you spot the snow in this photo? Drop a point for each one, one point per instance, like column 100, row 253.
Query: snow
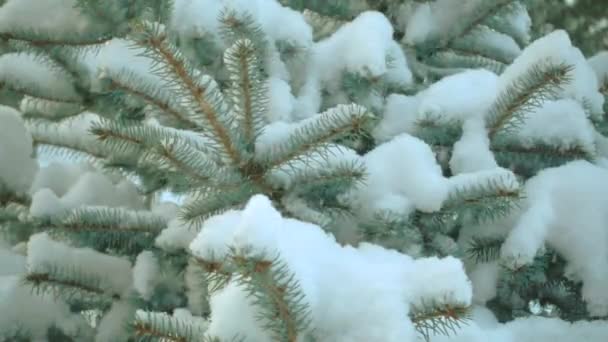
column 484, row 328
column 556, row 48
column 453, row 99
column 59, row 177
column 281, row 102
column 123, row 61
column 146, row 272
column 91, row 188
column 561, row 123
column 44, row 254
column 463, row 95
column 59, row 17
column 599, row 64
column 499, row 177
column 113, row 326
column 25, row 71
column 564, row 210
column 209, row 244
column 400, row 116
column 17, row 167
column 343, row 50
column 435, row 21
column 196, row 19
column 414, row 174
column 472, row 152
column 377, row 283
column 35, row 313
column 181, row 320
column 177, row 236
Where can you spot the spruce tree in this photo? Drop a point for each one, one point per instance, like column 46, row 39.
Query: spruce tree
column 265, row 170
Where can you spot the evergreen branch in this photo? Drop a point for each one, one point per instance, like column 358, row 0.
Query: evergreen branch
column 542, row 81
column 439, row 319
column 180, row 157
column 181, row 76
column 111, row 219
column 328, row 178
column 484, row 249
column 162, row 327
column 131, row 140
column 115, row 229
column 235, row 26
column 483, row 203
column 72, row 286
column 40, row 40
column 248, row 91
column 155, row 97
column 458, row 60
column 276, row 292
column 217, row 272
column 487, row 9
column 322, row 25
column 315, row 134
column 210, row 201
column 528, row 160
column 392, row 231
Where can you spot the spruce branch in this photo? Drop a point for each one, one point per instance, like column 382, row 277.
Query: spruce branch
column 152, row 95
column 201, row 93
column 153, row 326
column 482, row 203
column 315, row 134
column 248, row 91
column 41, row 39
column 541, row 82
column 217, row 272
column 174, row 155
column 116, row 229
column 71, row 285
column 274, row 289
column 484, row 249
column 328, row 178
column 485, row 10
column 236, row 26
column 207, row 202
column 435, row 318
column 322, row 25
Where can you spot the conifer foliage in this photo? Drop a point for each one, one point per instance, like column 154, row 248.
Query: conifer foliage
column 264, row 170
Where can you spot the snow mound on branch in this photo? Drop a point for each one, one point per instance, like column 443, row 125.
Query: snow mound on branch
column 414, row 180
column 92, row 188
column 556, row 48
column 453, row 99
column 17, row 167
column 484, row 327
column 378, row 284
column 599, row 63
column 565, row 209
column 44, row 254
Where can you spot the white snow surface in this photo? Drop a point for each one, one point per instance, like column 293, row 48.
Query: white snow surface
column 59, row 17
column 599, row 63
column 455, row 98
column 414, row 180
column 17, row 167
column 565, row 210
column 25, row 71
column 92, row 188
column 177, row 236
column 45, row 253
column 146, row 272
column 378, row 284
column 556, row 48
